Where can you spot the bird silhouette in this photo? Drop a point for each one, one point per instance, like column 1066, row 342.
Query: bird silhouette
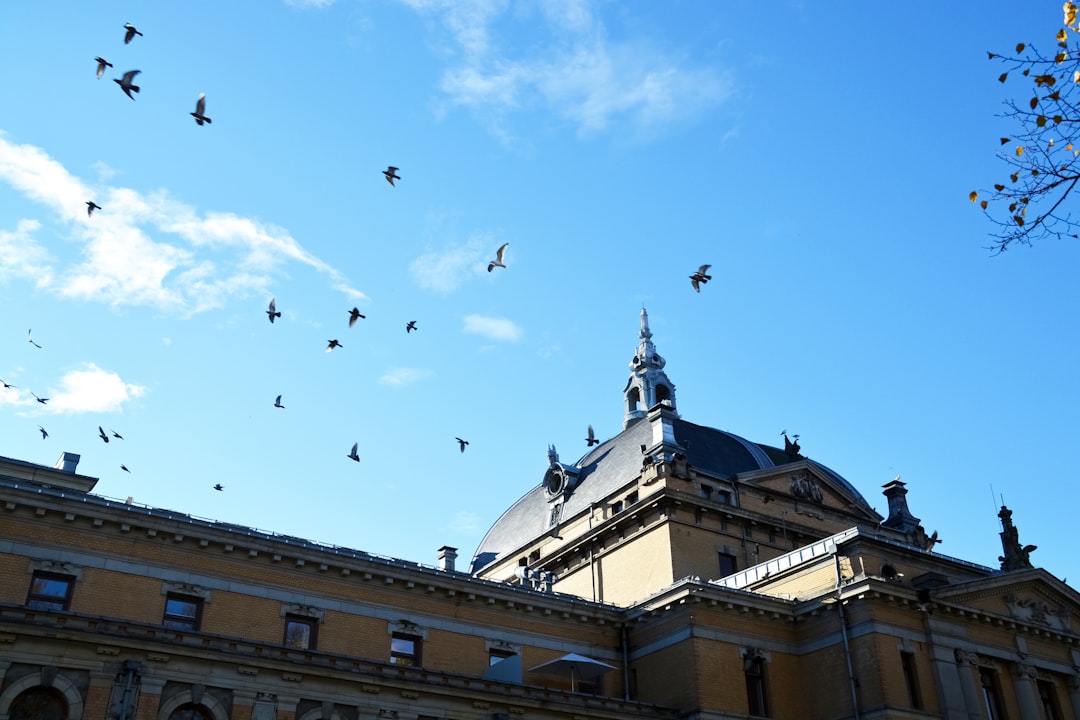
column 200, row 109
column 91, row 206
column 116, row 435
column 40, row 399
column 124, row 468
column 410, row 326
column 333, row 344
column 126, row 84
column 700, row 278
column 591, row 440
column 391, row 175
column 277, row 403
column 462, row 443
column 131, row 33
column 30, row 338
column 352, row 453
column 355, row 315
column 219, row 487
column 498, row 261
column 43, row 433
column 272, row 312
column 102, row 63
column 6, row 384
column 102, row 435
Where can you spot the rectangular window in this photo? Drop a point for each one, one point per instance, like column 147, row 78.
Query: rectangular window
column 907, row 662
column 616, row 507
column 728, row 565
column 757, row 701
column 1048, row 699
column 49, row 591
column 991, row 693
column 631, row 498
column 404, row 649
column 300, row 632
column 724, row 498
column 182, row 612
column 706, row 492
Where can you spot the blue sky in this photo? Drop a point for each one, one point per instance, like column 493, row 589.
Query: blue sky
column 818, row 155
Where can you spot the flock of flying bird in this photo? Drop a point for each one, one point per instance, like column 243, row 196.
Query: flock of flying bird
column 127, row 84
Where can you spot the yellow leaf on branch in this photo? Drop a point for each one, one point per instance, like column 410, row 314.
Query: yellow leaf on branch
column 974, row 195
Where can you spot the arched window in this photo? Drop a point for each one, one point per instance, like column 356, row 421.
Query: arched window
column 191, row 711
column 39, row 703
column 633, row 400
column 662, row 393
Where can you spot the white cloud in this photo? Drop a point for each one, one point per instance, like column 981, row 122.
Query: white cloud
column 493, row 328
column 446, row 269
column 87, row 390
column 572, row 68
column 401, row 376
column 21, row 256
column 145, row 248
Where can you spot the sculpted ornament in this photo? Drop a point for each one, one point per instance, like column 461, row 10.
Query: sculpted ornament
column 804, row 487
column 1037, row 611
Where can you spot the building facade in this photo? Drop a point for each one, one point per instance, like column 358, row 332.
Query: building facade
column 674, row 571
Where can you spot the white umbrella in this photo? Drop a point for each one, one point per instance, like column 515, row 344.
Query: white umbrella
column 577, row 666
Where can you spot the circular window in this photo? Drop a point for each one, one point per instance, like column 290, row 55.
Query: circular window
column 554, row 482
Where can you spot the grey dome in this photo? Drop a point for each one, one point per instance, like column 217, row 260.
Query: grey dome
column 608, row 466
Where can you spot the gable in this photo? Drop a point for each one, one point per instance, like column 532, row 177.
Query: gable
column 1032, row 597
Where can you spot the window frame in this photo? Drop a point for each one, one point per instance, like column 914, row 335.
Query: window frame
column 175, row 621
column 720, row 558
column 312, row 625
column 402, row 658
column 497, row 655
column 991, row 692
column 1048, row 699
column 911, row 679
column 757, row 689
column 43, row 601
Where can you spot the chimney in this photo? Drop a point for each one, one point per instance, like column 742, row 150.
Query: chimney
column 67, row 462
column 900, row 518
column 447, row 556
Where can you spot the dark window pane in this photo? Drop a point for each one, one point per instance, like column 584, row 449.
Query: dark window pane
column 298, row 634
column 38, row 704
column 182, row 613
column 50, row 592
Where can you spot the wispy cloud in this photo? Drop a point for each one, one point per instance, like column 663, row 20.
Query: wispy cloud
column 446, row 269
column 465, row 522
column 89, row 389
column 493, row 328
column 144, row 248
column 572, row 67
column 401, row 376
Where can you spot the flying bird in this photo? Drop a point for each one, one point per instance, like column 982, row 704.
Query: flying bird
column 6, row 384
column 272, row 312
column 219, row 487
column 102, row 63
column 277, row 403
column 91, row 206
column 700, row 278
column 124, row 468
column 591, row 440
column 40, row 399
column 410, row 326
column 126, row 84
column 498, row 261
column 200, row 109
column 462, row 443
column 354, row 315
column 131, row 33
column 116, row 435
column 102, row 435
column 352, row 454
column 391, row 175
column 333, row 344
column 30, row 338
column 43, row 433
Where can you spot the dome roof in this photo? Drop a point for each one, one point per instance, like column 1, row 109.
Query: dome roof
column 608, row 467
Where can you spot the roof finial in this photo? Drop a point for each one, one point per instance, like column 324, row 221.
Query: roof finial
column 645, row 332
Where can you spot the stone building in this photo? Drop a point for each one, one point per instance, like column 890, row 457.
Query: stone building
column 674, row 571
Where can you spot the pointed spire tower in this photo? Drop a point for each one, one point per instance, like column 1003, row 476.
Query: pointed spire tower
column 648, row 384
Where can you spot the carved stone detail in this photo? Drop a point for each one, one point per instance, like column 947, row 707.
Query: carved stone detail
column 805, row 487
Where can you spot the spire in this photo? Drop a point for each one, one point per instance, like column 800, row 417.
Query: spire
column 648, row 384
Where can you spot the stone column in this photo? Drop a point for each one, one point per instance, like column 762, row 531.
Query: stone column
column 1024, row 685
column 947, row 679
column 967, row 664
